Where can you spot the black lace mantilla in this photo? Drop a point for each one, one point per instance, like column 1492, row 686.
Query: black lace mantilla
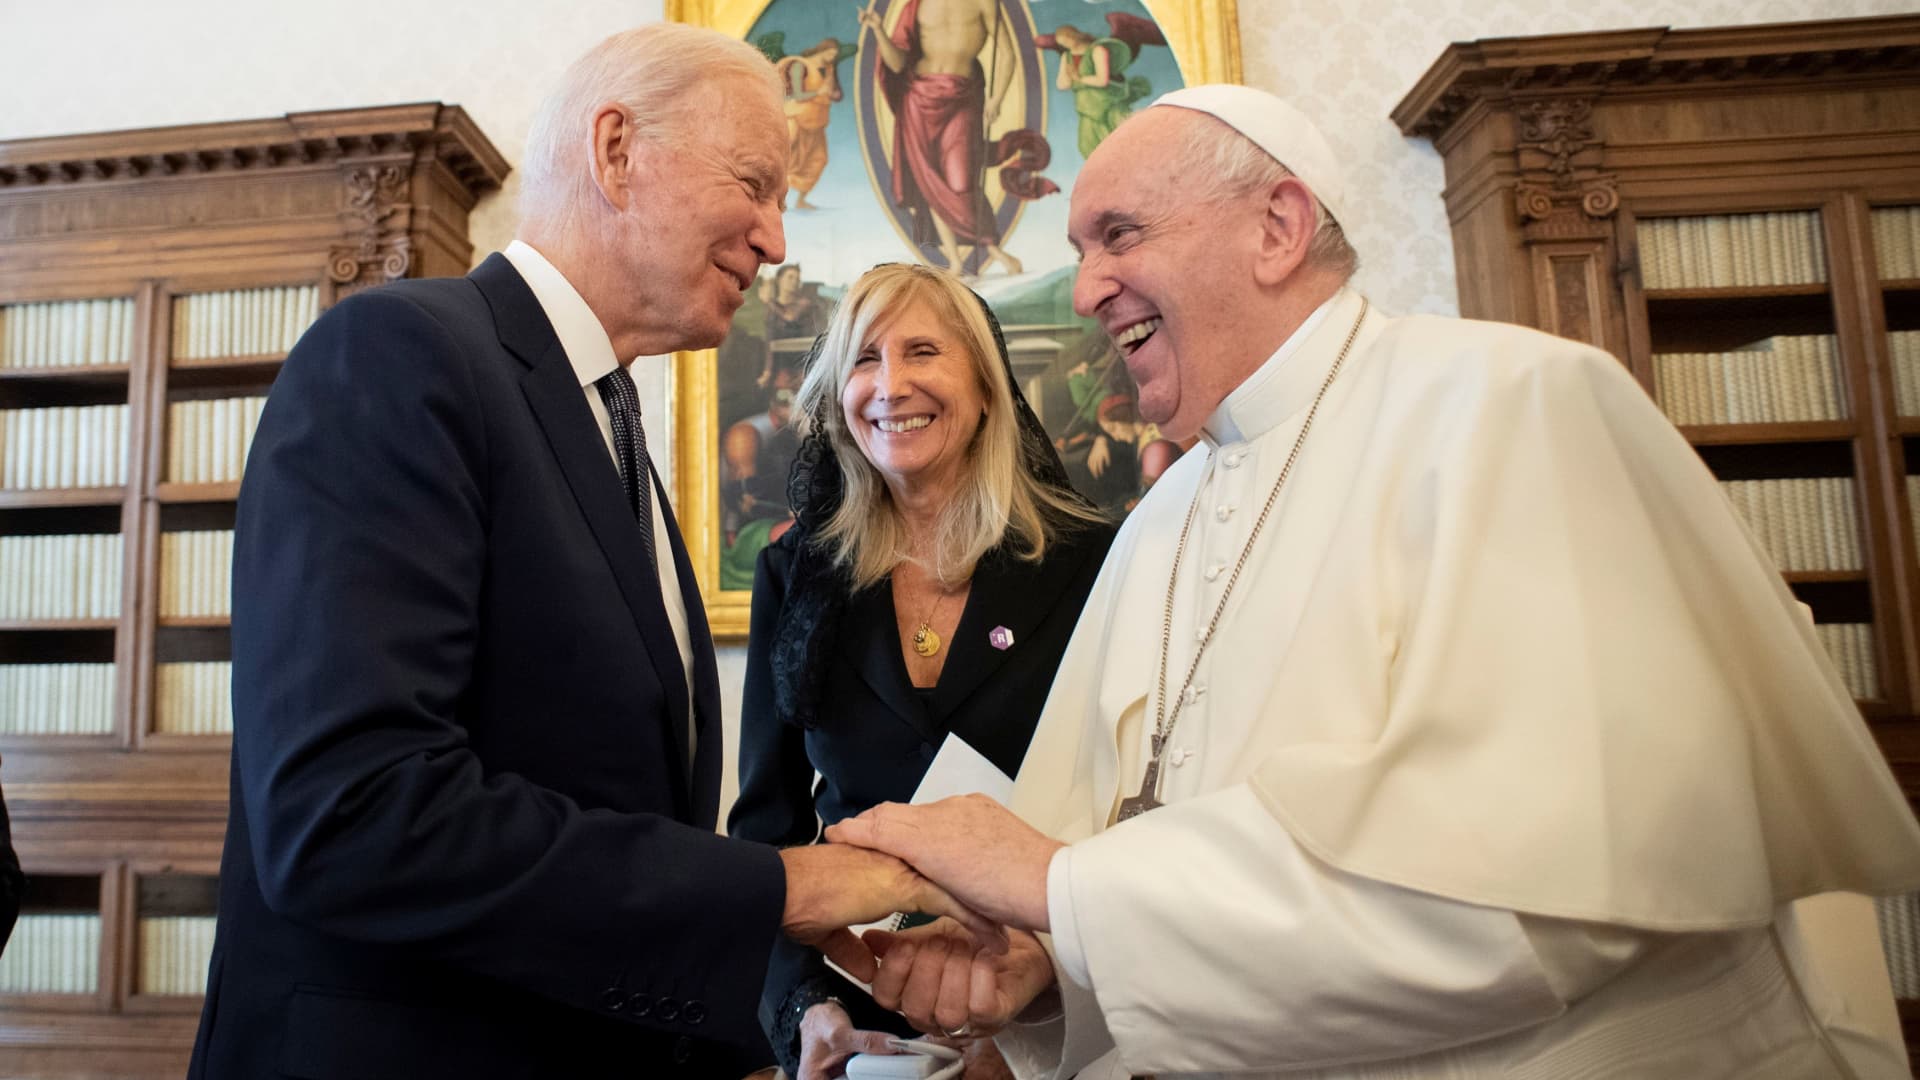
column 818, row 591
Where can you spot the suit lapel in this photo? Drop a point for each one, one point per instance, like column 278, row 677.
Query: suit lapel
column 560, row 407
column 704, row 757
column 1007, row 593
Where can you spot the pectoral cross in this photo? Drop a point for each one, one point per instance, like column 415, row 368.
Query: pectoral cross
column 1150, row 783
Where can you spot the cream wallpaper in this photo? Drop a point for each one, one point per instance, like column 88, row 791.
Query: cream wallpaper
column 92, row 65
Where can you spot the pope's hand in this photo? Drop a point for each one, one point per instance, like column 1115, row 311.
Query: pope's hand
column 831, row 887
column 976, row 849
column 935, row 977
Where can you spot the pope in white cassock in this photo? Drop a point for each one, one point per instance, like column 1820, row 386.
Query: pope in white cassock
column 1489, row 743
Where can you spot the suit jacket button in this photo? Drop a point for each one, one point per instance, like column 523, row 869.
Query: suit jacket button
column 682, row 1050
column 613, row 998
column 666, row 1010
column 694, row 1012
column 639, row 1004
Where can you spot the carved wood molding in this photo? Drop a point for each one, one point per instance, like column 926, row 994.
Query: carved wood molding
column 380, row 251
column 1508, row 70
column 1559, row 177
column 429, row 131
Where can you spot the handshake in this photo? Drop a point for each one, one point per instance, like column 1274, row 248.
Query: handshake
column 966, row 858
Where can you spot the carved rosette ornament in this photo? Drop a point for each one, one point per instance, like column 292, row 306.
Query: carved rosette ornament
column 1561, row 190
column 380, row 252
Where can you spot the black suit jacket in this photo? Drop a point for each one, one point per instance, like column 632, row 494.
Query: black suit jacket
column 877, row 734
column 13, row 883
column 466, row 839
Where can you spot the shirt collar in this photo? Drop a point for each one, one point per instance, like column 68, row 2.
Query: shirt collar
column 1272, row 392
column 585, row 341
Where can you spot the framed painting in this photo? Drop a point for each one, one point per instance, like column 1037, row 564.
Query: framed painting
column 948, row 132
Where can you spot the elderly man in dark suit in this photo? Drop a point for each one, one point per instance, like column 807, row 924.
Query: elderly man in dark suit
column 477, row 724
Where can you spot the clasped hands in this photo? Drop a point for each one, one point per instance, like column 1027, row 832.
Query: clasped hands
column 965, row 858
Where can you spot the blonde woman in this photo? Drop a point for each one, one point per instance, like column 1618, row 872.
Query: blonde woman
column 936, row 570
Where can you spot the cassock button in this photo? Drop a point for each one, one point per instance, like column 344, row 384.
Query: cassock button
column 666, row 1010
column 1222, row 513
column 1232, row 461
column 694, row 1013
column 613, row 998
column 1214, row 571
column 639, row 1004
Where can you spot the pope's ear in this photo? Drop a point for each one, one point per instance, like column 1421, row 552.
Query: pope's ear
column 615, row 153
column 1286, row 231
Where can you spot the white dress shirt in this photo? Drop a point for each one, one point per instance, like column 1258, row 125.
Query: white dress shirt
column 590, row 351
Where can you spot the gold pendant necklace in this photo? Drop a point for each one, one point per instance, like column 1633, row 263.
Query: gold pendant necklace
column 1148, row 798
column 925, row 641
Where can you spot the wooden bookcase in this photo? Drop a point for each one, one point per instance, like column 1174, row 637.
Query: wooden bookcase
column 1735, row 214
column 151, row 272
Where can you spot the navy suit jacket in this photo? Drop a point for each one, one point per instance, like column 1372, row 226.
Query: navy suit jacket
column 466, row 836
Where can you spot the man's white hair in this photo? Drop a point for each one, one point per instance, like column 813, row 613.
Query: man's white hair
column 658, row 73
column 1227, row 165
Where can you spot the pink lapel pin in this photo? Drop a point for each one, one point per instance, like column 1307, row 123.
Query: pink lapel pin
column 1000, row 638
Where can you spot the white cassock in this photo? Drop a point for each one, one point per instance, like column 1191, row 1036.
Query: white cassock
column 1509, row 757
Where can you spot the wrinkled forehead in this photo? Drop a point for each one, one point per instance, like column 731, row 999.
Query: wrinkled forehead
column 1135, row 169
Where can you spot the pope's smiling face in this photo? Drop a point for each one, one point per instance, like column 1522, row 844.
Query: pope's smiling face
column 1169, row 278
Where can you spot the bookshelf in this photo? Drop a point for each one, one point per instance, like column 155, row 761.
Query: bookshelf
column 1735, row 214
column 151, row 283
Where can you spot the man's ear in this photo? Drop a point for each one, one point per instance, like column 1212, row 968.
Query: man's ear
column 614, row 153
column 1286, row 230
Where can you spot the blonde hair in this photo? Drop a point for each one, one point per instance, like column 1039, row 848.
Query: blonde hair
column 999, row 500
column 658, row 73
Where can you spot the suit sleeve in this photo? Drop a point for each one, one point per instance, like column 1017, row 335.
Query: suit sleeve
column 775, row 806
column 359, row 570
column 13, row 883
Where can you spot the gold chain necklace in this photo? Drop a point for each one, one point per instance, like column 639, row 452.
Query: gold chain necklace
column 1163, row 720
column 926, row 641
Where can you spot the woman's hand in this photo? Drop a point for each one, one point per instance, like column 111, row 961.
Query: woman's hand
column 828, row 1038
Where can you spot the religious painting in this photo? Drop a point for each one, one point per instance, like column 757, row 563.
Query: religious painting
column 947, row 132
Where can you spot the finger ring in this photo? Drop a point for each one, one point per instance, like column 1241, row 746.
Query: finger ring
column 960, row 1032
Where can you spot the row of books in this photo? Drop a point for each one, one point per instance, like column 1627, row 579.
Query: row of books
column 56, row 699
column 174, row 951
column 1900, row 936
column 1805, row 523
column 196, row 573
column 1896, row 242
column 1851, row 647
column 52, row 954
column 64, row 447
column 194, row 698
column 1723, row 250
column 66, row 333
column 60, row 577
column 1785, row 378
column 242, row 322
column 1904, row 346
column 207, row 441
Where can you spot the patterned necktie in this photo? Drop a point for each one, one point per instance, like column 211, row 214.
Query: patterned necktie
column 630, row 446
